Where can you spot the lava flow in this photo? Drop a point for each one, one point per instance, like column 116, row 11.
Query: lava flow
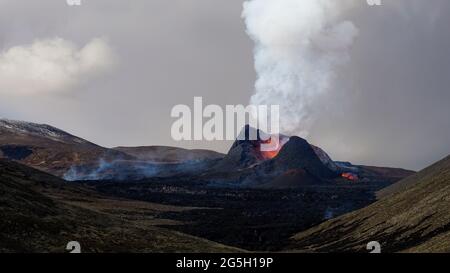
column 350, row 176
column 270, row 154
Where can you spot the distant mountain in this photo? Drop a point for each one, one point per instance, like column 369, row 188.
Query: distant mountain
column 412, row 216
column 57, row 152
column 42, row 213
column 164, row 154
column 47, row 148
column 24, row 129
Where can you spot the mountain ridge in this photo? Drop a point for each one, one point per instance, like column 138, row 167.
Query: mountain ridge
column 62, row 154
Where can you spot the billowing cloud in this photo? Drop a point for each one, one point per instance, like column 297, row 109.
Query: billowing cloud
column 52, row 65
column 298, row 45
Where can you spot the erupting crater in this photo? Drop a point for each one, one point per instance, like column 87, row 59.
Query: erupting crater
column 273, row 153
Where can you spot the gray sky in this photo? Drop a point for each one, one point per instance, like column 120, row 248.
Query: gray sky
column 390, row 104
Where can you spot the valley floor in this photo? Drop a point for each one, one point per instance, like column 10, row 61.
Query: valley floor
column 41, row 213
column 251, row 219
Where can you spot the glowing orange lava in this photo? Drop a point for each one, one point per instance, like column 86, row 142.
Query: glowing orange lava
column 279, row 144
column 270, row 154
column 350, row 176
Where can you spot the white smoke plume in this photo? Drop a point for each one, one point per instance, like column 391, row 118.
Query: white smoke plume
column 52, row 65
column 298, row 46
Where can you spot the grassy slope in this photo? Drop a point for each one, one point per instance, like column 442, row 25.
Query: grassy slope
column 41, row 213
column 412, row 217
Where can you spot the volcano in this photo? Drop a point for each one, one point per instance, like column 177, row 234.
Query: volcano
column 247, row 153
column 246, row 165
column 292, row 152
column 296, row 163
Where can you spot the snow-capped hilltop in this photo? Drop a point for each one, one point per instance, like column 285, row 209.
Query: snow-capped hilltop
column 46, row 148
column 38, row 130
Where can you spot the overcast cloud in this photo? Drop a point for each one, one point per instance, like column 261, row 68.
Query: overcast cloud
column 389, row 104
column 52, row 65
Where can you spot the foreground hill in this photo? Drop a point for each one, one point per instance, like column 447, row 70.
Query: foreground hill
column 411, row 217
column 41, row 213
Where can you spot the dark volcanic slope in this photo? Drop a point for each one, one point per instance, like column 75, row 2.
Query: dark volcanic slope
column 402, row 185
column 41, row 213
column 414, row 218
column 243, row 153
column 296, row 165
column 298, row 153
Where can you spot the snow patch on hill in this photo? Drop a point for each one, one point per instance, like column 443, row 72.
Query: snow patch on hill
column 34, row 129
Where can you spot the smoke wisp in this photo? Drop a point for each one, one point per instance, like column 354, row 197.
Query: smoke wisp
column 298, row 46
column 131, row 170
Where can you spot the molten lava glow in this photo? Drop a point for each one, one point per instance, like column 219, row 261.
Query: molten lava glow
column 350, row 176
column 270, row 154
